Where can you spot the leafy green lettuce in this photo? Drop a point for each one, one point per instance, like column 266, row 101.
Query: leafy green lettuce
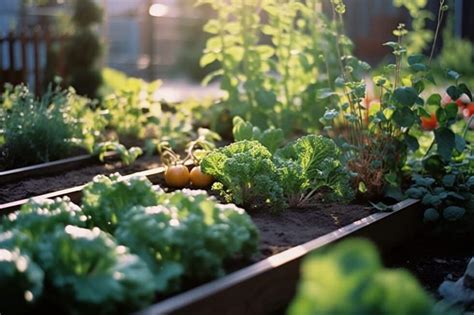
column 188, row 236
column 107, row 198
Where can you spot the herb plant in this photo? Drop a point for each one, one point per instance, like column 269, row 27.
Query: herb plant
column 40, row 130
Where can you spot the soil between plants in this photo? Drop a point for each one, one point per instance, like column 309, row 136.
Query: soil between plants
column 432, row 262
column 41, row 185
column 292, row 227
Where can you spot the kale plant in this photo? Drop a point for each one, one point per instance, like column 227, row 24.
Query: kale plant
column 313, row 164
column 246, row 175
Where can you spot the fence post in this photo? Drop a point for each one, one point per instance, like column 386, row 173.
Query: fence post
column 24, row 58
column 11, row 52
column 36, row 62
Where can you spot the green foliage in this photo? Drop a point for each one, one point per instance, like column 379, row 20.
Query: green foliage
column 349, row 279
column 312, row 164
column 271, row 138
column 21, row 281
column 178, row 237
column 254, row 40
column 128, row 156
column 449, row 196
column 187, row 236
column 40, row 130
column 88, row 272
column 130, row 103
column 246, row 175
column 106, row 199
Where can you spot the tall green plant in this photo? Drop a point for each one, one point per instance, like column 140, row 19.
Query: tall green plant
column 270, row 55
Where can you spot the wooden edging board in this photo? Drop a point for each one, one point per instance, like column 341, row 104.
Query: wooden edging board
column 269, row 285
column 54, row 167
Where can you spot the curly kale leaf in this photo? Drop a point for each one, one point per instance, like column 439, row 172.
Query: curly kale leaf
column 89, row 273
column 21, row 282
column 246, row 174
column 188, row 236
column 310, row 164
column 106, row 199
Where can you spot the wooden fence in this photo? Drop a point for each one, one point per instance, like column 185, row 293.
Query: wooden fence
column 24, row 56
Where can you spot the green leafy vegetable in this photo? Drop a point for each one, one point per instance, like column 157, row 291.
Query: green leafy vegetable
column 349, row 279
column 310, row 164
column 246, row 175
column 106, row 199
column 187, row 236
column 128, row 156
column 89, row 273
column 271, row 138
column 21, row 281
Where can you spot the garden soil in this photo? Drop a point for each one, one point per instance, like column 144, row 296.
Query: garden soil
column 41, row 185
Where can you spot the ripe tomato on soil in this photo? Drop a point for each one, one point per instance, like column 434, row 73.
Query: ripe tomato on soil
column 177, row 176
column 199, row 179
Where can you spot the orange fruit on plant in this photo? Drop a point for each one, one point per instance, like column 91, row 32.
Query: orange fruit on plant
column 199, row 179
column 429, row 123
column 177, row 176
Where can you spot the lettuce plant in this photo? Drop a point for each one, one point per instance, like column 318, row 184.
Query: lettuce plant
column 188, row 236
column 350, row 279
column 246, row 175
column 312, row 164
column 21, row 281
column 88, row 272
column 106, row 199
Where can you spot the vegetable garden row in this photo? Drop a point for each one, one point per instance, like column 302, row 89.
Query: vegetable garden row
column 308, row 147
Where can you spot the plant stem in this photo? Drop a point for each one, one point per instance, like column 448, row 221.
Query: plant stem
column 438, row 25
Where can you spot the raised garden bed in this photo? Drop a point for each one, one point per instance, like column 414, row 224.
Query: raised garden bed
column 269, row 285
column 285, row 239
column 49, row 179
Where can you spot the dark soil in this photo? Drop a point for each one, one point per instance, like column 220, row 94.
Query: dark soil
column 431, row 262
column 42, row 185
column 293, row 227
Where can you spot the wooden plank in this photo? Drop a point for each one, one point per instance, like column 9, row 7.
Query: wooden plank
column 54, row 167
column 36, row 60
column 269, row 285
column 75, row 193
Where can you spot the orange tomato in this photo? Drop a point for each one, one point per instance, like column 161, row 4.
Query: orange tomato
column 430, row 123
column 177, row 176
column 199, row 179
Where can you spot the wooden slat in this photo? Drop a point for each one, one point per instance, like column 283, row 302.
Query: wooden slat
column 11, row 54
column 24, row 57
column 54, row 167
column 269, row 285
